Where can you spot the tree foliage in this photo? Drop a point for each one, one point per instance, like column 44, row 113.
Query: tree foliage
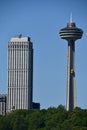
column 50, row 119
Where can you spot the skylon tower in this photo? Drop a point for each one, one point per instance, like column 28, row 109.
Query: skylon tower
column 71, row 33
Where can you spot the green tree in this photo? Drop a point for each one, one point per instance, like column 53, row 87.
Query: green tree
column 50, row 119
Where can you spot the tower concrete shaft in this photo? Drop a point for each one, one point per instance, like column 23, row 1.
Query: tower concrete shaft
column 71, row 88
column 71, row 33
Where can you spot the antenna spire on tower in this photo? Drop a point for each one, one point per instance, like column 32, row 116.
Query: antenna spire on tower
column 71, row 18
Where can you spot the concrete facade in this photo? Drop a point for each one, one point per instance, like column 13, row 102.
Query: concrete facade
column 3, row 104
column 20, row 73
column 71, row 33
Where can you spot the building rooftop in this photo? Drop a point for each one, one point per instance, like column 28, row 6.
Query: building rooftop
column 20, row 38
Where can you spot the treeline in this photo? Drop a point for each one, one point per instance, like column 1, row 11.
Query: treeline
column 45, row 119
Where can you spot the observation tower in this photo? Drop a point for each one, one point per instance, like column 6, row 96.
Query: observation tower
column 71, row 33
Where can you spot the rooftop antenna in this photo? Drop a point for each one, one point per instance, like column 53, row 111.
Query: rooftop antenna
column 71, row 18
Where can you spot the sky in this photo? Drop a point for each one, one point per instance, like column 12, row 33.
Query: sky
column 42, row 20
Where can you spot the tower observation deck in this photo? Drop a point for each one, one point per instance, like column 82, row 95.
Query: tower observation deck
column 71, row 33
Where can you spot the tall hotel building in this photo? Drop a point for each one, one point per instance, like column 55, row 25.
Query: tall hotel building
column 20, row 73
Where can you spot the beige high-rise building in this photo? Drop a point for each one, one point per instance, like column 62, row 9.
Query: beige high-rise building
column 20, row 73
